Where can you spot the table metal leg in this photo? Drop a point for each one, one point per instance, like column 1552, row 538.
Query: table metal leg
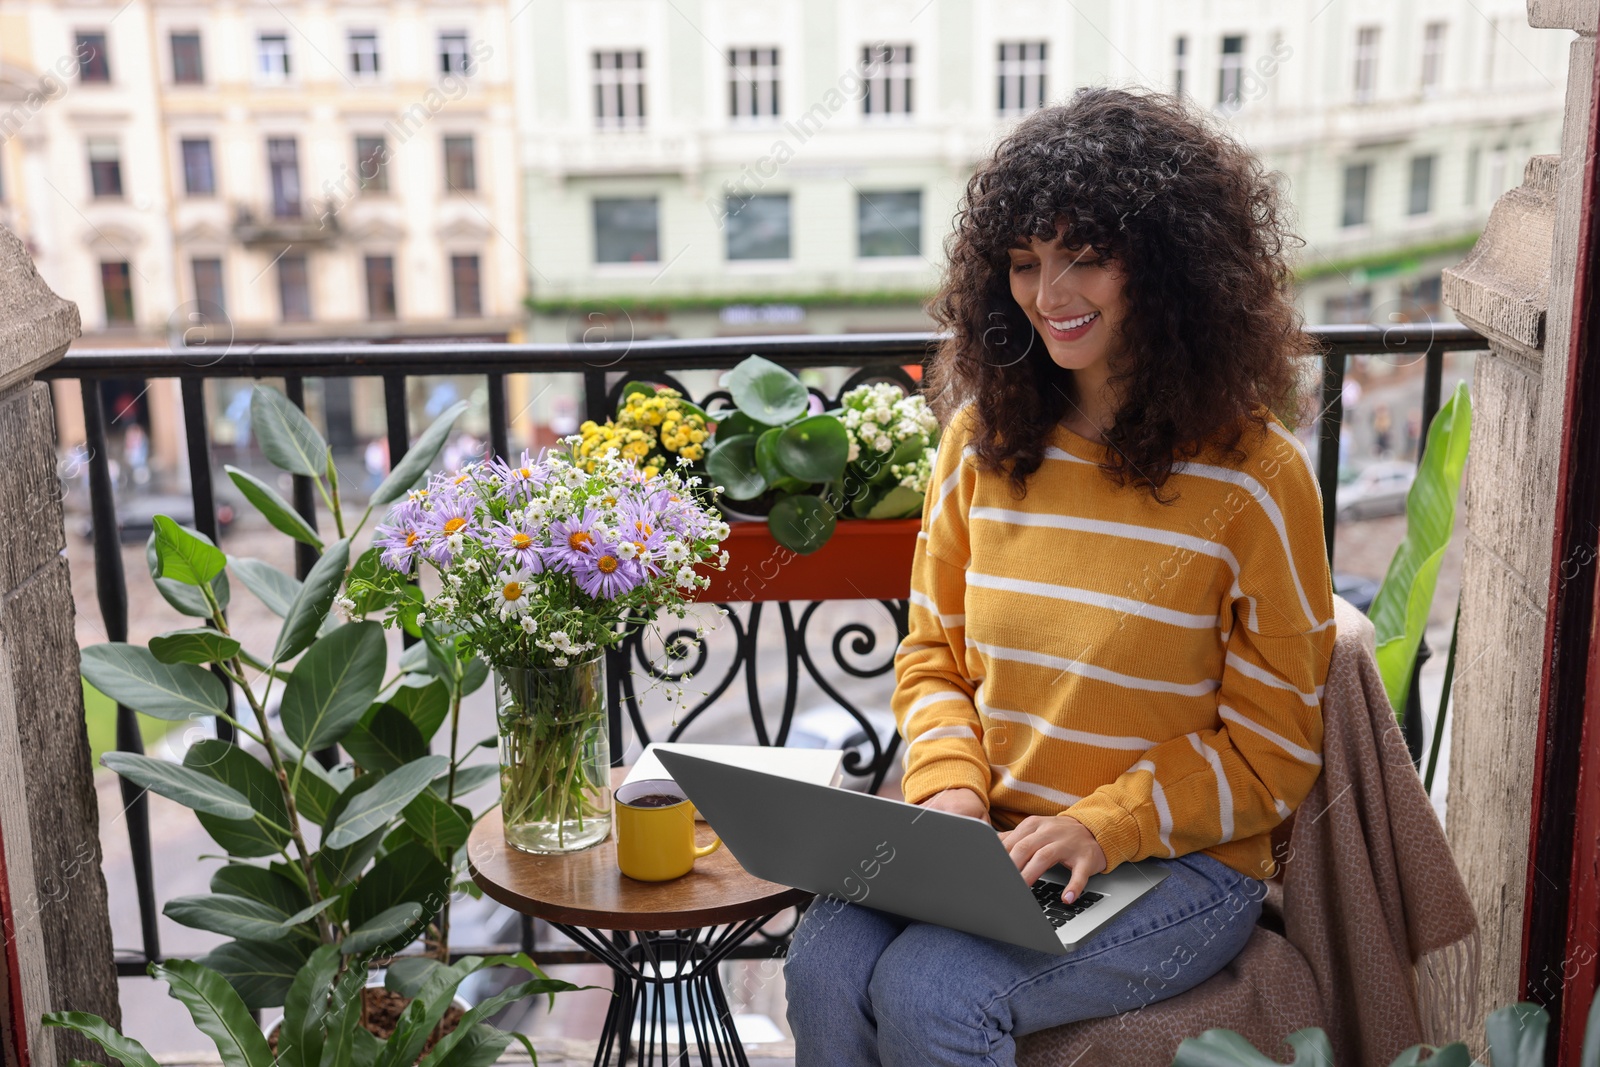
column 641, row 982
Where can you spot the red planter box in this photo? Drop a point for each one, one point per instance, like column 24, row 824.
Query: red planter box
column 865, row 559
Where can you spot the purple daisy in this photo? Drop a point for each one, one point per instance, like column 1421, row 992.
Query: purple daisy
column 450, row 514
column 572, row 540
column 603, row 573
column 518, row 545
column 642, row 526
column 402, row 537
column 519, row 481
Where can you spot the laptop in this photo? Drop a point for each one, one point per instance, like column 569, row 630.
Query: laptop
column 908, row 860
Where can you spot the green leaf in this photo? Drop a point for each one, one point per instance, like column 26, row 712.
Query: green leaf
column 259, row 972
column 315, row 790
column 767, row 456
column 407, row 974
column 1413, row 572
column 369, row 586
column 372, row 809
column 342, row 1022
column 384, row 739
column 126, row 1049
column 418, row 458
column 814, row 449
column 271, row 586
column 801, row 523
column 442, row 827
column 1224, row 1048
column 898, row 503
column 381, row 929
column 286, row 436
column 188, row 787
column 767, row 392
column 199, row 645
column 733, row 423
column 467, row 778
column 312, row 602
column 217, row 1011
column 278, row 511
column 410, row 873
column 1454, row 1055
column 184, row 556
column 185, row 599
column 341, row 866
column 479, row 1046
column 474, row 1019
column 260, row 884
column 237, row 769
column 305, row 1007
column 239, row 917
column 422, row 1015
column 732, row 465
column 1516, row 1032
column 333, row 684
column 133, row 676
column 1590, row 1056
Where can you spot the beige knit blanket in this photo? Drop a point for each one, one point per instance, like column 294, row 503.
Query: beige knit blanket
column 1376, row 941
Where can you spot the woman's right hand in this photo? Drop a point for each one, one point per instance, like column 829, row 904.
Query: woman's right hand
column 961, row 801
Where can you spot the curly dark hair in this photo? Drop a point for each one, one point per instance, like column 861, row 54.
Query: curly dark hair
column 1210, row 338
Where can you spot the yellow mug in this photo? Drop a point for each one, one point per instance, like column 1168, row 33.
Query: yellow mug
column 655, row 831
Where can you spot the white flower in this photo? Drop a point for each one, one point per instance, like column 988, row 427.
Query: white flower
column 471, row 566
column 723, row 559
column 627, row 550
column 422, row 618
column 868, row 429
column 455, row 541
column 528, row 625
column 685, row 577
column 562, row 640
column 454, row 580
column 345, row 607
column 674, row 552
column 855, row 450
column 720, row 531
column 684, row 461
column 883, row 444
column 444, row 605
column 509, row 595
column 560, row 661
column 883, row 414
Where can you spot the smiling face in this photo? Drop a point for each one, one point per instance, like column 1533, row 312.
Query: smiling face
column 1074, row 299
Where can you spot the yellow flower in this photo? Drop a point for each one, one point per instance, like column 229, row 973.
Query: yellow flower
column 697, row 436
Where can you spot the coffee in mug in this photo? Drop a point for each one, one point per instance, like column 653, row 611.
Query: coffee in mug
column 655, row 831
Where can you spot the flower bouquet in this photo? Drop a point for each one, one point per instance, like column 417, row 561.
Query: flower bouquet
column 653, row 427
column 543, row 564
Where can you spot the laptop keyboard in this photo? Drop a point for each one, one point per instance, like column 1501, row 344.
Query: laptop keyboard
column 1048, row 894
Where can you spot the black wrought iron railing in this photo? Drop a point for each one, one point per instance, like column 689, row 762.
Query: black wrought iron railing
column 604, row 369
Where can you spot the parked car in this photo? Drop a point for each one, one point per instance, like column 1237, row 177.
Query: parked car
column 136, row 515
column 1380, row 489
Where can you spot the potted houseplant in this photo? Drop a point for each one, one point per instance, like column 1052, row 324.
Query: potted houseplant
column 776, row 457
column 360, row 858
column 543, row 564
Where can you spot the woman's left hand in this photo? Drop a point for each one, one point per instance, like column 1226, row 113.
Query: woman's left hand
column 1039, row 842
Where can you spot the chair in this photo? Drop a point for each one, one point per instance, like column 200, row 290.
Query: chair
column 1367, row 930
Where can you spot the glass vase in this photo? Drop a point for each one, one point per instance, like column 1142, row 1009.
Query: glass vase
column 555, row 756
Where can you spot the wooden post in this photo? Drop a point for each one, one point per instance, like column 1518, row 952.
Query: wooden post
column 57, row 931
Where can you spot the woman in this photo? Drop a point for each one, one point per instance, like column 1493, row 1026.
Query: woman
column 1121, row 613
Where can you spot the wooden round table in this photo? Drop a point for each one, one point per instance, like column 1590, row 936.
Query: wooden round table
column 637, row 929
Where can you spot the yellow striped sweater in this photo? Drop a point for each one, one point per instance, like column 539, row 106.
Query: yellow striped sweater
column 1154, row 671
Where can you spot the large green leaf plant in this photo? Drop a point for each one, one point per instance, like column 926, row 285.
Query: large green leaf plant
column 357, row 860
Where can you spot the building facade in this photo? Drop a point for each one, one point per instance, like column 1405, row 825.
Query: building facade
column 697, row 167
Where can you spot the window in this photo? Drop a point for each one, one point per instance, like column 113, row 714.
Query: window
column 272, row 57
column 619, row 89
column 283, row 168
column 889, row 224
column 460, row 170
column 467, row 286
column 1022, row 76
column 1420, row 299
column 294, row 288
column 1419, row 198
column 1180, row 64
column 364, row 53
column 93, row 64
column 199, row 179
column 1354, row 306
column 1353, row 205
column 117, row 289
column 1366, row 82
column 758, row 226
column 105, row 166
column 380, row 287
column 625, row 230
column 208, row 287
column 752, row 82
column 454, row 58
column 1432, row 58
column 187, row 66
column 1230, row 73
column 889, row 71
column 372, row 164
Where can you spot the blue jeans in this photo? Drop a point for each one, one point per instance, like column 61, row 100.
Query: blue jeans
column 867, row 988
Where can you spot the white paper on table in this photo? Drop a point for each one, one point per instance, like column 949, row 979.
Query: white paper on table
column 818, row 765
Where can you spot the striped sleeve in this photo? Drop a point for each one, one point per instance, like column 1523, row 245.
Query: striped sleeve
column 933, row 701
column 1254, row 766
